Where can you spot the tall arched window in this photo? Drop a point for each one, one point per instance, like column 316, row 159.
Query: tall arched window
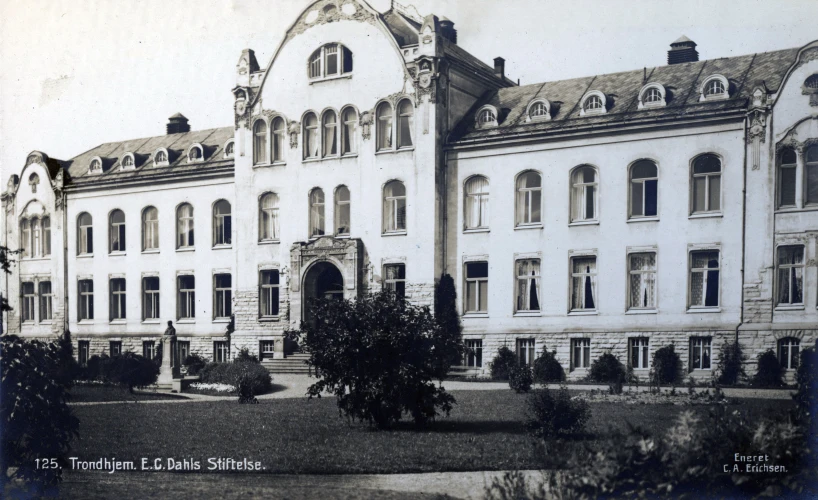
column 316, row 213
column 643, row 193
column 330, row 123
column 85, row 234
column 311, row 143
column 812, row 175
column 350, row 119
column 706, row 190
column 25, row 238
column 529, row 198
column 787, row 172
column 36, row 250
column 150, row 228
column 116, row 231
column 405, row 122
column 46, row 235
column 384, row 117
column 222, row 223
column 259, row 142
column 268, row 217
column 477, row 203
column 184, row 226
column 279, row 134
column 394, row 207
column 342, row 211
column 330, row 60
column 584, row 194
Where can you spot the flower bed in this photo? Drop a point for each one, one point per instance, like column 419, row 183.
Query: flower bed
column 211, row 389
column 681, row 398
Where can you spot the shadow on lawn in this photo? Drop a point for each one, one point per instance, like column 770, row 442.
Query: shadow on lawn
column 463, row 427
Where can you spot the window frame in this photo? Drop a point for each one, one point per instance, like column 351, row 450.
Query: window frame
column 596, row 97
column 409, row 127
column 632, row 182
column 641, row 347
column 222, row 296
column 272, row 214
column 708, row 211
column 150, row 229
column 576, row 185
column 267, row 296
column 151, row 299
column 319, row 56
column 649, row 91
column 384, row 127
column 86, row 230
column 704, row 91
column 185, row 298
column 391, row 204
column 523, row 198
column 473, row 198
column 518, row 300
column 26, row 238
column 222, row 224
column 808, row 166
column 526, row 351
column 85, row 302
column 473, row 354
column 111, row 345
column 346, row 137
column 701, row 344
column 83, row 352
column 221, row 351
column 261, row 142
column 195, row 159
column 189, row 223
column 118, row 230
column 46, row 301
column 705, row 271
column 793, row 268
column 394, row 284
column 479, row 282
column 779, row 178
column 581, row 346
column 310, row 133
column 325, row 134
column 338, row 204
column 279, row 141
column 583, row 276
column 792, row 346
column 117, row 299
column 28, row 300
column 486, row 117
column 538, row 110
column 149, row 349
column 161, row 162
column 317, row 213
column 642, row 273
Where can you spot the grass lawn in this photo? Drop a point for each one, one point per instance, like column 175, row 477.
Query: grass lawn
column 485, row 432
column 96, row 393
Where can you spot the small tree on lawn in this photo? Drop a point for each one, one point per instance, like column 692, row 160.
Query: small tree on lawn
column 449, row 343
column 377, row 355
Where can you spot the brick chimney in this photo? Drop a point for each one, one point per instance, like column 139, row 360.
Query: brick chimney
column 682, row 50
column 499, row 67
column 447, row 29
column 177, row 124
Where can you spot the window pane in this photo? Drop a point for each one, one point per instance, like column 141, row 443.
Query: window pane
column 812, row 181
column 471, row 296
column 384, row 118
column 707, row 164
column 787, row 187
column 699, row 193
column 650, row 197
column 715, row 192
column 405, row 112
column 589, row 202
column 477, row 270
column 636, row 199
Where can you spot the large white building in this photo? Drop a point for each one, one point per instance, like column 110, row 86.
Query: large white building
column 613, row 213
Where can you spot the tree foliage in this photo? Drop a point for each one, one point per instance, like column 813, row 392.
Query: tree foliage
column 449, row 343
column 731, row 364
column 378, row 355
column 607, row 368
column 769, row 371
column 547, row 368
column 667, row 366
column 503, row 363
column 130, row 370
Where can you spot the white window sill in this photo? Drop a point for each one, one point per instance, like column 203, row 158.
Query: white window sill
column 790, row 307
column 85, row 322
column 311, row 159
column 701, row 370
column 223, row 247
column 28, row 323
column 643, row 219
column 269, row 242
column 705, row 215
column 116, row 254
column 641, row 311
column 35, row 259
column 642, row 370
column 150, row 251
column 395, row 233
column 696, row 310
column 269, row 319
column 85, row 256
column 151, row 321
column 349, row 155
column 313, row 238
column 46, row 322
column 221, row 320
column 584, row 223
column 522, row 227
column 344, row 236
column 186, row 249
column 527, row 314
column 392, row 151
column 330, row 78
column 186, row 321
column 476, row 230
column 122, row 321
column 273, row 164
column 470, row 315
column 592, row 312
column 792, row 209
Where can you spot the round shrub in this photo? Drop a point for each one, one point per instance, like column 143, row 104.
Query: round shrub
column 131, row 370
column 554, row 412
column 243, row 375
column 666, row 365
column 607, row 368
column 194, row 364
column 547, row 369
column 520, row 378
column 244, row 355
column 503, row 363
column 769, row 370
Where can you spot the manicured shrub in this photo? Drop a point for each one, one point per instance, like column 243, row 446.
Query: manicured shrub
column 503, row 363
column 97, row 368
column 769, row 371
column 553, row 412
column 520, row 378
column 244, row 355
column 67, row 370
column 450, row 341
column 667, row 366
column 547, row 368
column 247, row 377
column 214, row 373
column 806, row 397
column 378, row 355
column 731, row 364
column 131, row 370
column 194, row 364
column 608, row 369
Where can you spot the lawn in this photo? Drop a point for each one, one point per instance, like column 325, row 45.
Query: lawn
column 102, row 393
column 486, row 431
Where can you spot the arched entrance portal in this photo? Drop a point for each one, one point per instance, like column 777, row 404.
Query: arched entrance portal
column 323, row 280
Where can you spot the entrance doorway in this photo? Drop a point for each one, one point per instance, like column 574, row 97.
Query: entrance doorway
column 323, row 280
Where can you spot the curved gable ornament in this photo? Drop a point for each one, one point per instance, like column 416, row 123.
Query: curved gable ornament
column 328, row 11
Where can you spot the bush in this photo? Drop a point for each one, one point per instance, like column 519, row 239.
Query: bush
column 607, row 369
column 547, row 369
column 520, row 378
column 769, row 371
column 247, row 377
column 194, row 364
column 450, row 341
column 666, row 366
column 96, row 368
column 131, row 370
column 731, row 364
column 503, row 363
column 67, row 370
column 554, row 412
column 378, row 355
column 244, row 355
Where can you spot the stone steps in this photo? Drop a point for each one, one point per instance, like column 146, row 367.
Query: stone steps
column 293, row 363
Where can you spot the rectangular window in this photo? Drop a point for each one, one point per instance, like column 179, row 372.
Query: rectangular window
column 528, row 285
column 186, row 297
column 86, row 302
column 786, row 185
column 220, row 351
column 700, row 353
column 580, row 353
column 704, row 279
column 46, row 236
column 83, row 352
column 788, row 352
column 474, row 353
column 150, row 298
column 223, row 295
column 267, row 348
column 46, row 301
column 27, row 301
column 183, row 347
column 395, row 279
column 811, row 195
column 477, row 284
column 115, row 347
column 639, row 349
column 117, row 287
column 642, row 280
column 149, row 349
column 268, row 293
column 525, row 351
column 583, row 283
column 790, row 275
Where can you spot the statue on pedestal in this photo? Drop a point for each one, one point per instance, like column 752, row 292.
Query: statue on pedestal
column 170, row 362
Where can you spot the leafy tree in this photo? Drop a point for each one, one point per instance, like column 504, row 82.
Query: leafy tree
column 731, row 364
column 520, row 378
column 450, row 341
column 131, row 370
column 769, row 370
column 6, row 260
column 667, row 366
column 607, row 368
column 378, row 356
column 503, row 363
column 547, row 368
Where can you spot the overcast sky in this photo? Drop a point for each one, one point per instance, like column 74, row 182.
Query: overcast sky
column 78, row 73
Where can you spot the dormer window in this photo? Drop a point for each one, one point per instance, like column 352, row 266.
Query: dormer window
column 538, row 110
column 228, row 150
column 329, row 61
column 714, row 87
column 487, row 117
column 127, row 161
column 96, row 166
column 652, row 95
column 593, row 103
column 195, row 153
column 160, row 158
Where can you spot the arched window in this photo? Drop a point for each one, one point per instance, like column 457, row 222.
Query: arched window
column 593, row 102
column 116, row 231
column 789, row 349
column 195, row 154
column 96, row 165
column 279, row 133
column 259, row 142
column 350, row 118
column 342, row 211
column 405, row 122
column 229, row 149
column 330, row 122
column 310, row 136
column 643, row 193
column 714, row 87
column 160, row 158
column 316, row 213
column 812, row 175
column 486, row 116
column 394, row 207
column 787, row 169
column 85, row 234
column 384, row 116
column 127, row 161
column 268, row 217
column 222, row 223
column 538, row 110
column 46, row 236
column 184, row 226
column 477, row 203
column 706, row 190
column 36, row 251
column 330, row 60
column 150, row 229
column 584, row 194
column 25, row 238
column 529, row 198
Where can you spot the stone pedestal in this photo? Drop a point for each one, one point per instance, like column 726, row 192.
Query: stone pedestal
column 170, row 366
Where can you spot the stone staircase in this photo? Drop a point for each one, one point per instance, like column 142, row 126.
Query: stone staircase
column 293, row 363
